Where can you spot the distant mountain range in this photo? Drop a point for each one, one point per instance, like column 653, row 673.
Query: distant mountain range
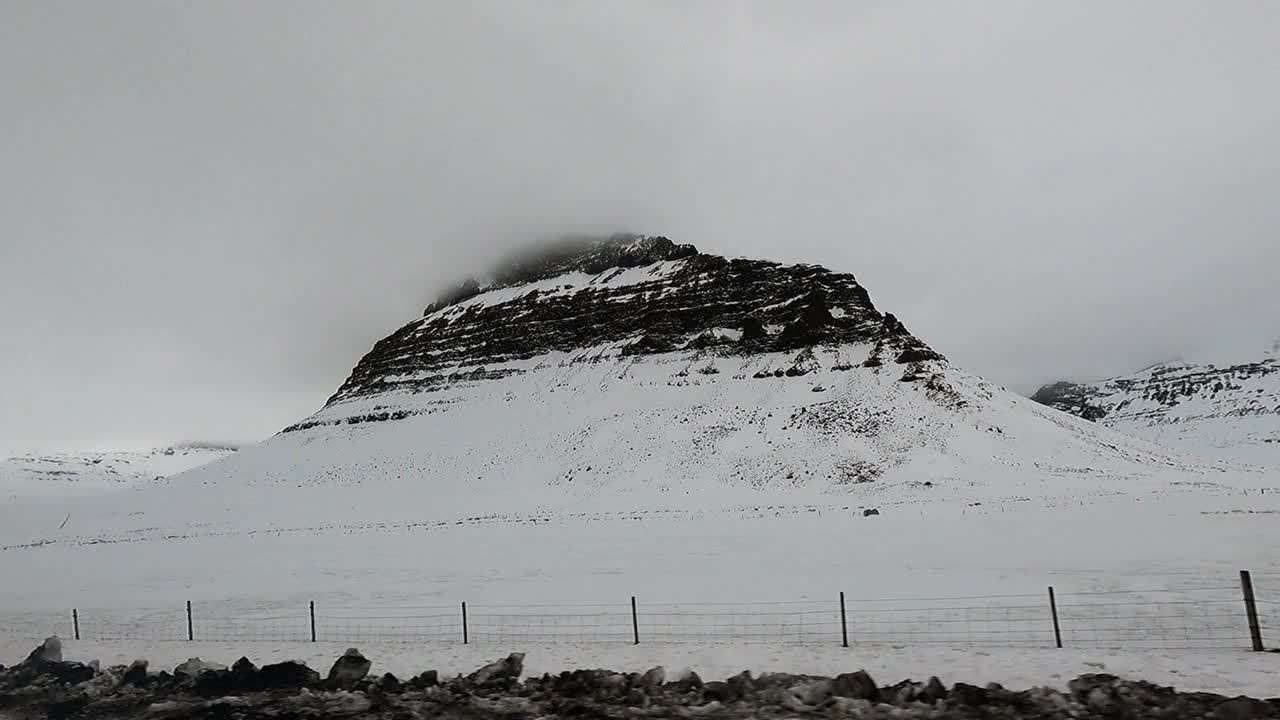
column 1227, row 411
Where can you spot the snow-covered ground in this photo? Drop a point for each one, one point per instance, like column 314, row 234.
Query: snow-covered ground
column 560, row 591
column 92, row 473
column 729, row 505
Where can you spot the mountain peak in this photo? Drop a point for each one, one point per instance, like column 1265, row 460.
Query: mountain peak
column 628, row 296
column 589, row 254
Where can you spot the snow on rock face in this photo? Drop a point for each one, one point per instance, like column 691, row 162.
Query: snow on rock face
column 1229, row 412
column 625, row 297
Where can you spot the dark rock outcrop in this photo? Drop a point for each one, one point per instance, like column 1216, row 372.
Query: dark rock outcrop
column 671, row 298
column 1070, row 397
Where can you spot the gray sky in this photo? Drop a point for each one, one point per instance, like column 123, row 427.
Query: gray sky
column 209, row 211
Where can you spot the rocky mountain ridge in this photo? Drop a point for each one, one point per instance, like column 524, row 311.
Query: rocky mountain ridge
column 1224, row 412
column 628, row 296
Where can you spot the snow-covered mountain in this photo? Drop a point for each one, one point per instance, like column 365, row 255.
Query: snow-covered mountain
column 632, row 372
column 1229, row 411
column 632, row 416
column 86, row 473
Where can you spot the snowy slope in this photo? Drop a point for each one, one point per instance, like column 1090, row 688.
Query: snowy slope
column 1229, row 411
column 89, row 473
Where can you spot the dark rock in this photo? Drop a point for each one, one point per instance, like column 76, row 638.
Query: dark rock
column 136, row 674
column 857, row 685
column 295, row 693
column 425, row 680
column 1244, row 708
column 349, row 669
column 742, row 683
column 654, row 677
column 66, row 708
column 721, row 692
column 50, row 651
column 902, row 694
column 580, row 683
column 687, row 682
column 1085, row 685
column 389, row 684
column 814, row 693
column 968, row 695
column 933, row 691
column 286, row 675
column 1071, row 398
column 70, row 673
column 870, row 511
column 195, row 666
column 508, row 668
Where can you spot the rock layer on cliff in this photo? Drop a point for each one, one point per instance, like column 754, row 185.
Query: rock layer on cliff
column 627, row 296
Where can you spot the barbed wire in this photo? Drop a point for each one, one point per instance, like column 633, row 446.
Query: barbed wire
column 1202, row 617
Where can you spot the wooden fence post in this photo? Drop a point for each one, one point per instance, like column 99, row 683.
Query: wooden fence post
column 635, row 622
column 313, row 620
column 844, row 622
column 1053, row 608
column 465, row 638
column 1251, row 610
column 191, row 633
column 75, row 623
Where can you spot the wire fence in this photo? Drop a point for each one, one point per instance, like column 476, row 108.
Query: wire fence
column 1219, row 616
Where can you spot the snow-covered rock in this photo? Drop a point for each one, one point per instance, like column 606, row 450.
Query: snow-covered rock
column 194, row 667
column 1229, row 411
column 89, row 473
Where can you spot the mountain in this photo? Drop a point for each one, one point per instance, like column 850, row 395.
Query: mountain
column 1229, row 411
column 630, row 416
column 607, row 375
column 95, row 472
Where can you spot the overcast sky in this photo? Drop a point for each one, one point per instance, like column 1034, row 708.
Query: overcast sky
column 210, row 210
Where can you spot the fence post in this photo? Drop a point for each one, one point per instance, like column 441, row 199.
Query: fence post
column 1251, row 610
column 313, row 621
column 465, row 639
column 75, row 623
column 635, row 622
column 1053, row 608
column 191, row 633
column 844, row 622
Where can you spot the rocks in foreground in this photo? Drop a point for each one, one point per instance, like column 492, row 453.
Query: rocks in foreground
column 46, row 686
